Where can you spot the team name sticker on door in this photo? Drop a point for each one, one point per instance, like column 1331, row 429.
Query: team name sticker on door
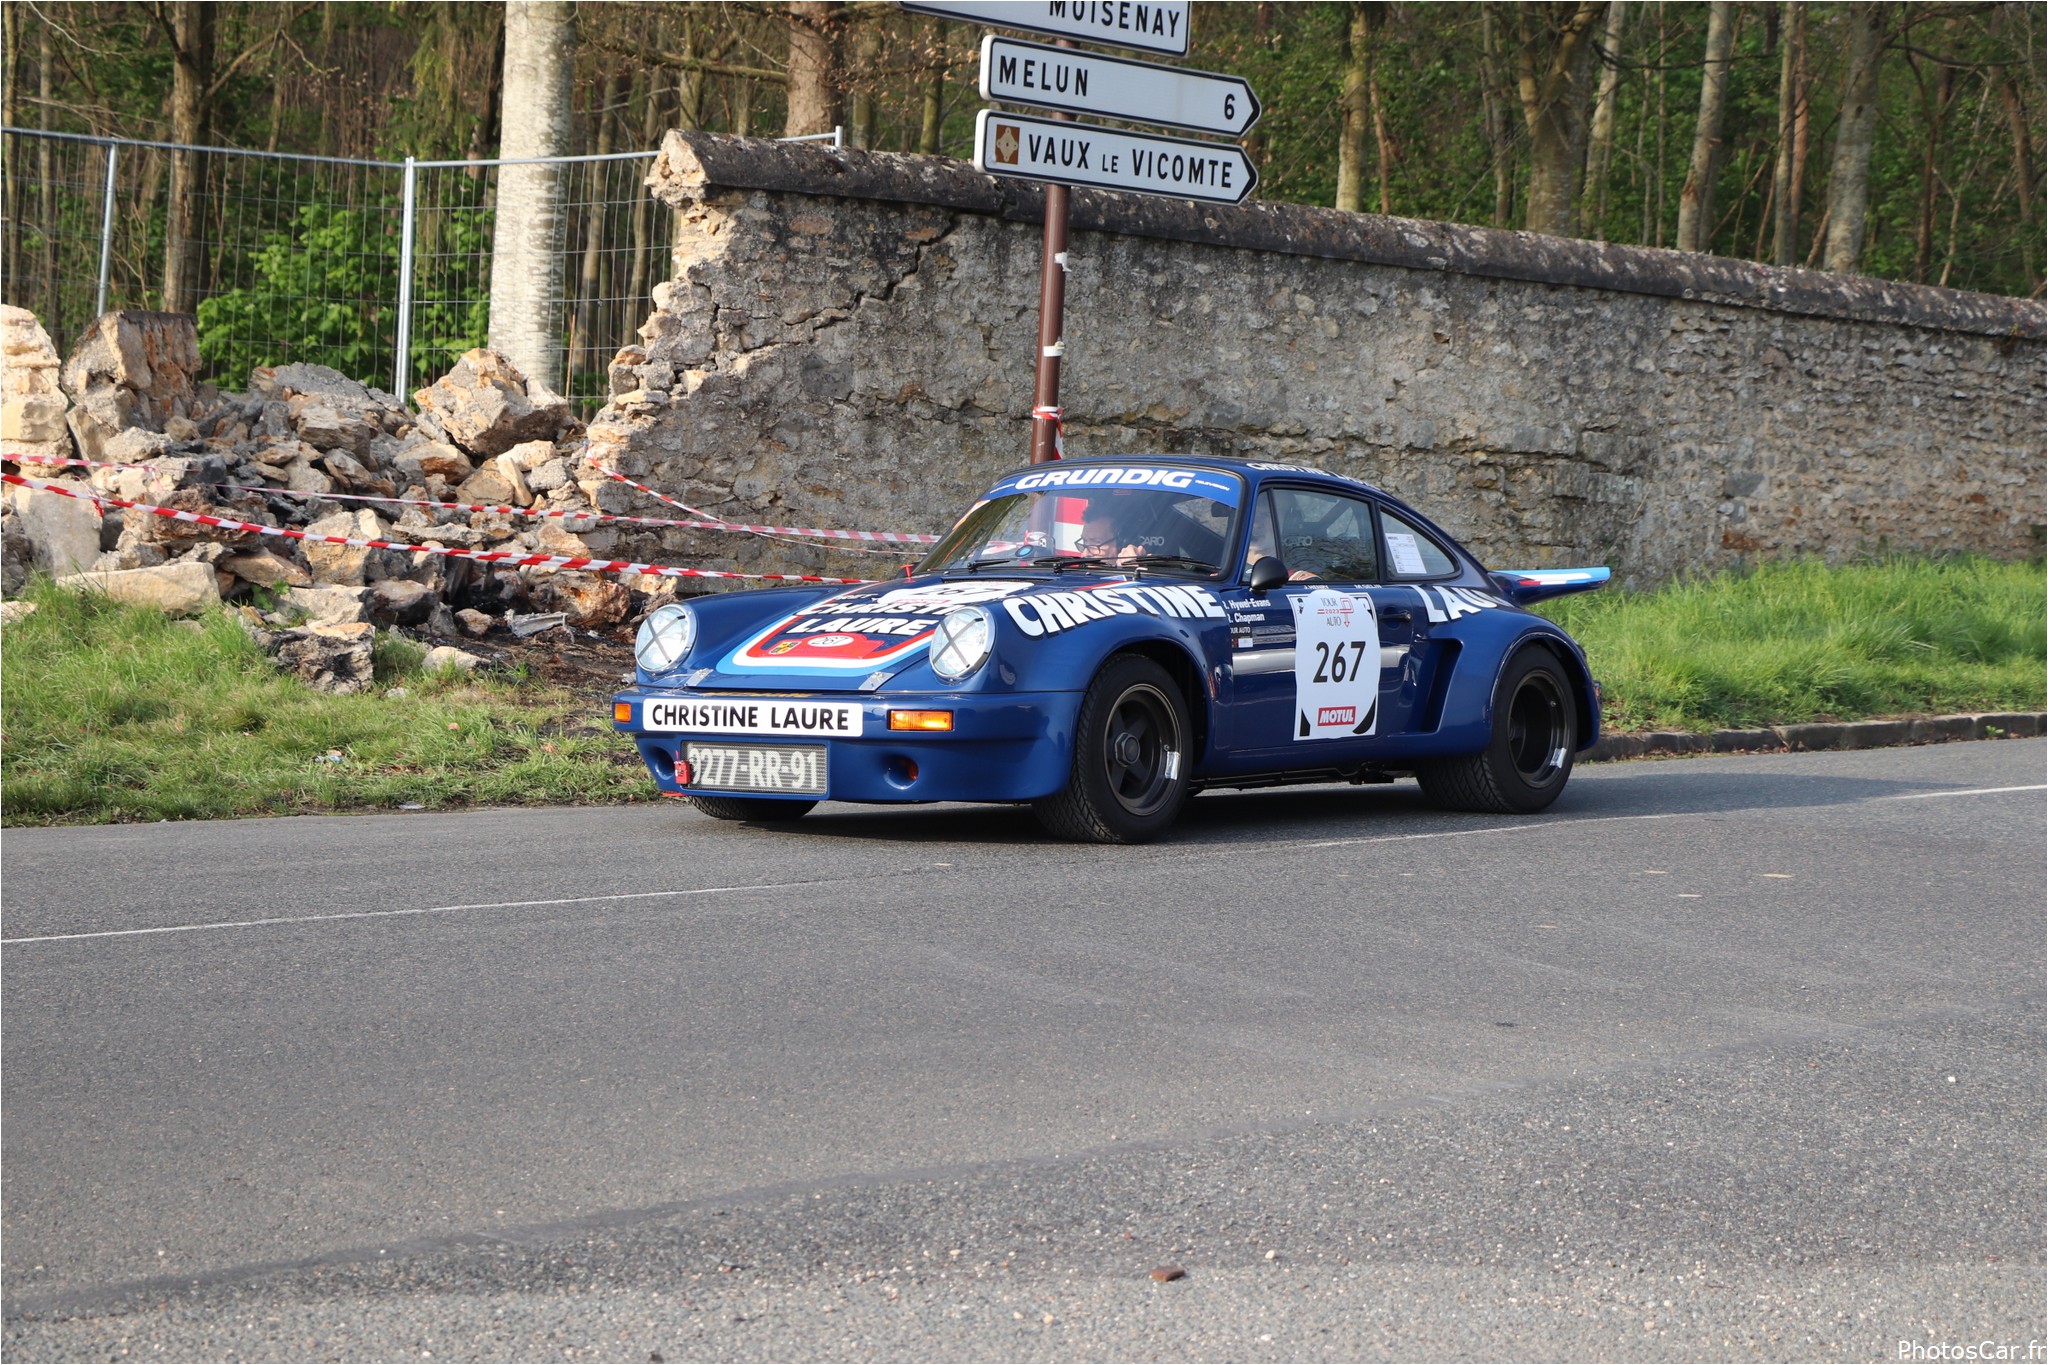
column 1336, row 665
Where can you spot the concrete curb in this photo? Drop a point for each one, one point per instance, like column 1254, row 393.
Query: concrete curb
column 1856, row 734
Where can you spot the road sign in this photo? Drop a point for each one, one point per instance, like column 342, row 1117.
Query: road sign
column 1021, row 147
column 1141, row 24
column 1114, row 87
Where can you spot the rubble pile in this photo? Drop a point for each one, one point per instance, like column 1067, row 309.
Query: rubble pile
column 277, row 455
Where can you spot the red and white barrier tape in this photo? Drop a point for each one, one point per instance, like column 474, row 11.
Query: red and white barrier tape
column 505, row 557
column 1058, row 418
column 878, row 537
column 708, row 523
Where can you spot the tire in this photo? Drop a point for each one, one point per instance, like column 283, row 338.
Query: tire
column 1525, row 765
column 1131, row 758
column 769, row 809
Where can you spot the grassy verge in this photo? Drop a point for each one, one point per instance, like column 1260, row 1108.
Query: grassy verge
column 1800, row 641
column 115, row 713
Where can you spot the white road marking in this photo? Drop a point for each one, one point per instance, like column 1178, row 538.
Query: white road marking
column 1974, row 791
column 390, row 914
column 1529, row 827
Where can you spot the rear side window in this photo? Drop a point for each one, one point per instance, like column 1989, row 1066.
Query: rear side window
column 1411, row 553
column 1326, row 535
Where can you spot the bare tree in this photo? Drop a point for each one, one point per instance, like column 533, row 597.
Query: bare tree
column 1551, row 64
column 1789, row 170
column 190, row 27
column 1353, row 107
column 813, row 69
column 867, row 51
column 1696, row 198
column 526, row 248
column 1849, row 177
column 1499, row 140
column 1600, row 150
column 932, row 87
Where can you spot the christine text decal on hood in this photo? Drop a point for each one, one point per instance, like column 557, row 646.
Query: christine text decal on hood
column 1049, row 613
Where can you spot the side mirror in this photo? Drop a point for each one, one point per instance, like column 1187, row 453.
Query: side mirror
column 1267, row 573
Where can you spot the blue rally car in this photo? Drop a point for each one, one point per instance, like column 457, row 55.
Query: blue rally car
column 1101, row 638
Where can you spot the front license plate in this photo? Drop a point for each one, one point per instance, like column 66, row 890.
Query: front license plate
column 798, row 769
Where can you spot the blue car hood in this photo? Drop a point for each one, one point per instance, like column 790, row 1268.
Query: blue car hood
column 856, row 639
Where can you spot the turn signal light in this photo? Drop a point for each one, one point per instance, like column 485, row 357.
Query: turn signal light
column 622, row 712
column 920, row 720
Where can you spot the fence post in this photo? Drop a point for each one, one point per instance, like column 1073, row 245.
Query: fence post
column 400, row 363
column 107, row 230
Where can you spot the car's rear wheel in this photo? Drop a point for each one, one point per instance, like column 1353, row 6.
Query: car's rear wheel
column 768, row 808
column 1529, row 758
column 1131, row 758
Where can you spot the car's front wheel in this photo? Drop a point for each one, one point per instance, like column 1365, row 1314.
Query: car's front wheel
column 768, row 808
column 1132, row 753
column 1526, row 763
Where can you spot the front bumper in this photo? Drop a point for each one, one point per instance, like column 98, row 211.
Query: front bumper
column 1008, row 746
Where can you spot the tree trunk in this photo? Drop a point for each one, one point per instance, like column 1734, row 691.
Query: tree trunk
column 1934, row 109
column 1663, row 125
column 1696, row 199
column 593, row 241
column 1849, row 175
column 1600, row 150
column 643, row 204
column 1498, row 143
column 53, row 297
column 191, row 73
column 1262, row 31
column 932, row 87
column 1353, row 111
column 2025, row 172
column 813, row 70
column 1552, row 64
column 867, row 52
column 526, row 247
column 1787, row 171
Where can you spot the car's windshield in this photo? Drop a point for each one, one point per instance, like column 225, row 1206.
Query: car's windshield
column 1156, row 520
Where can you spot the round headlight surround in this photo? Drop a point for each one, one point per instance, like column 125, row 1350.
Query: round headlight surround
column 665, row 637
column 962, row 642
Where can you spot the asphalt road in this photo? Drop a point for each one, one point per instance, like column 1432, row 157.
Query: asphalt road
column 1720, row 1058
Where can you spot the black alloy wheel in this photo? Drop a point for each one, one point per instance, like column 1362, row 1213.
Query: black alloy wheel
column 1131, row 758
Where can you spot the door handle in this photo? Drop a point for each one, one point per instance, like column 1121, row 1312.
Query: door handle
column 1401, row 614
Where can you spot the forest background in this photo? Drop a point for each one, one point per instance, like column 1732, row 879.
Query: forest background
column 1901, row 140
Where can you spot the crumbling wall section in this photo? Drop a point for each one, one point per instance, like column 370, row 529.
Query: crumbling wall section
column 847, row 337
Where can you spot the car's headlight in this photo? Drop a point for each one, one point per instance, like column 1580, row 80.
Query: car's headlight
column 665, row 637
column 962, row 642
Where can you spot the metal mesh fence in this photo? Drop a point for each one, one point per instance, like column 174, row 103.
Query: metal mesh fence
column 303, row 256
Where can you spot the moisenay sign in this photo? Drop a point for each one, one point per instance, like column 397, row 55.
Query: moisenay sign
column 1140, row 24
column 1112, row 87
column 1020, row 147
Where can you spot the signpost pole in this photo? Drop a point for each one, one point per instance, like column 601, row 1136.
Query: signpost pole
column 1052, row 323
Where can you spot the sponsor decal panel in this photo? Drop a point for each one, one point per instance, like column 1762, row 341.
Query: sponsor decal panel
column 1049, row 613
column 1216, row 487
column 1448, row 604
column 1336, row 665
column 751, row 716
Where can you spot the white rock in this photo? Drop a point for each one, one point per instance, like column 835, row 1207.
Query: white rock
column 448, row 656
column 183, row 589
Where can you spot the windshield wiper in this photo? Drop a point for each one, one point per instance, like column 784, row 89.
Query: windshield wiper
column 1065, row 562
column 1187, row 561
column 977, row 565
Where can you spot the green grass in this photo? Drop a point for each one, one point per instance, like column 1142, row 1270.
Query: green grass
column 115, row 713
column 1800, row 641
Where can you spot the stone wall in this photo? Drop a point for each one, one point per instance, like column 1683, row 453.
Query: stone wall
column 846, row 341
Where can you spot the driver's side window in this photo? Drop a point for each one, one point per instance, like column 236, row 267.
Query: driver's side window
column 1326, row 536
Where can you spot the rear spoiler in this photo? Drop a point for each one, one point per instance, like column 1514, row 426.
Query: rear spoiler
column 1538, row 585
